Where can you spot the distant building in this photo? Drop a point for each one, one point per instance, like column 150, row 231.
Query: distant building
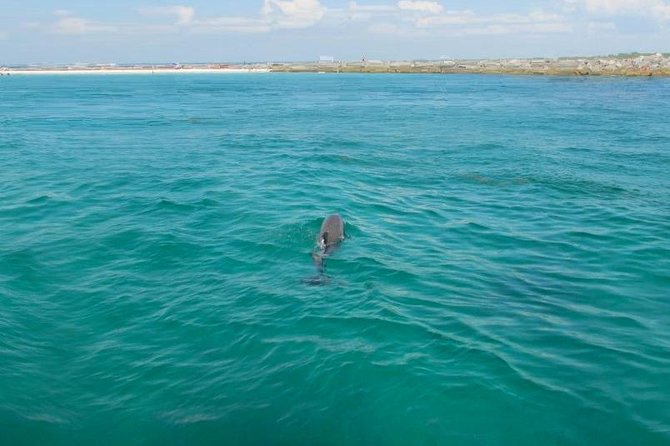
column 326, row 59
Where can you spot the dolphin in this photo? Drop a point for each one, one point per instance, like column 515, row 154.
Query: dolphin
column 330, row 236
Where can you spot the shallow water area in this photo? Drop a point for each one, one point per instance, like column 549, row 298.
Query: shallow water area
column 504, row 279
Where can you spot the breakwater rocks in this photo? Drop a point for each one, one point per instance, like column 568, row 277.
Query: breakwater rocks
column 623, row 65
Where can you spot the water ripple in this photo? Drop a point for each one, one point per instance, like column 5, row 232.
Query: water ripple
column 503, row 280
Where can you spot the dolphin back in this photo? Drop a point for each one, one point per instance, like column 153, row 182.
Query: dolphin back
column 329, row 238
column 333, row 227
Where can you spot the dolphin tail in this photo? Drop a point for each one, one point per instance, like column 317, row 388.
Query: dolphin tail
column 318, row 262
column 320, row 278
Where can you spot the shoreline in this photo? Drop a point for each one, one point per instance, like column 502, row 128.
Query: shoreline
column 566, row 73
column 634, row 65
column 143, row 71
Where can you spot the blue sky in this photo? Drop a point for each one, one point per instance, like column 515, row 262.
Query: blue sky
column 68, row 31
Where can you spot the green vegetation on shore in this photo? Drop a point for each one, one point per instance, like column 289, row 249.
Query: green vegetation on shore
column 632, row 64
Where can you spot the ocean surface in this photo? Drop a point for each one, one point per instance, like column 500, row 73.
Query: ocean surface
column 505, row 279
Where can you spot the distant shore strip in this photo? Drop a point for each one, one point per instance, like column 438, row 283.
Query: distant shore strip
column 144, row 71
column 623, row 65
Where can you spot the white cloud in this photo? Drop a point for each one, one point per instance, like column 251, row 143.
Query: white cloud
column 184, row 15
column 358, row 12
column 449, row 18
column 354, row 6
column 384, row 28
column 569, row 6
column 407, row 17
column 232, row 24
column 273, row 14
column 70, row 25
column 292, row 13
column 613, row 7
column 533, row 22
column 542, row 16
column 404, row 16
column 431, row 14
column 656, row 9
column 525, row 28
column 597, row 27
column 420, row 6
column 662, row 11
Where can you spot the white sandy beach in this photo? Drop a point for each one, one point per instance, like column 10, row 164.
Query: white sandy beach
column 138, row 71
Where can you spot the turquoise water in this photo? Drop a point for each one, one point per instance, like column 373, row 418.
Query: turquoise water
column 505, row 279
